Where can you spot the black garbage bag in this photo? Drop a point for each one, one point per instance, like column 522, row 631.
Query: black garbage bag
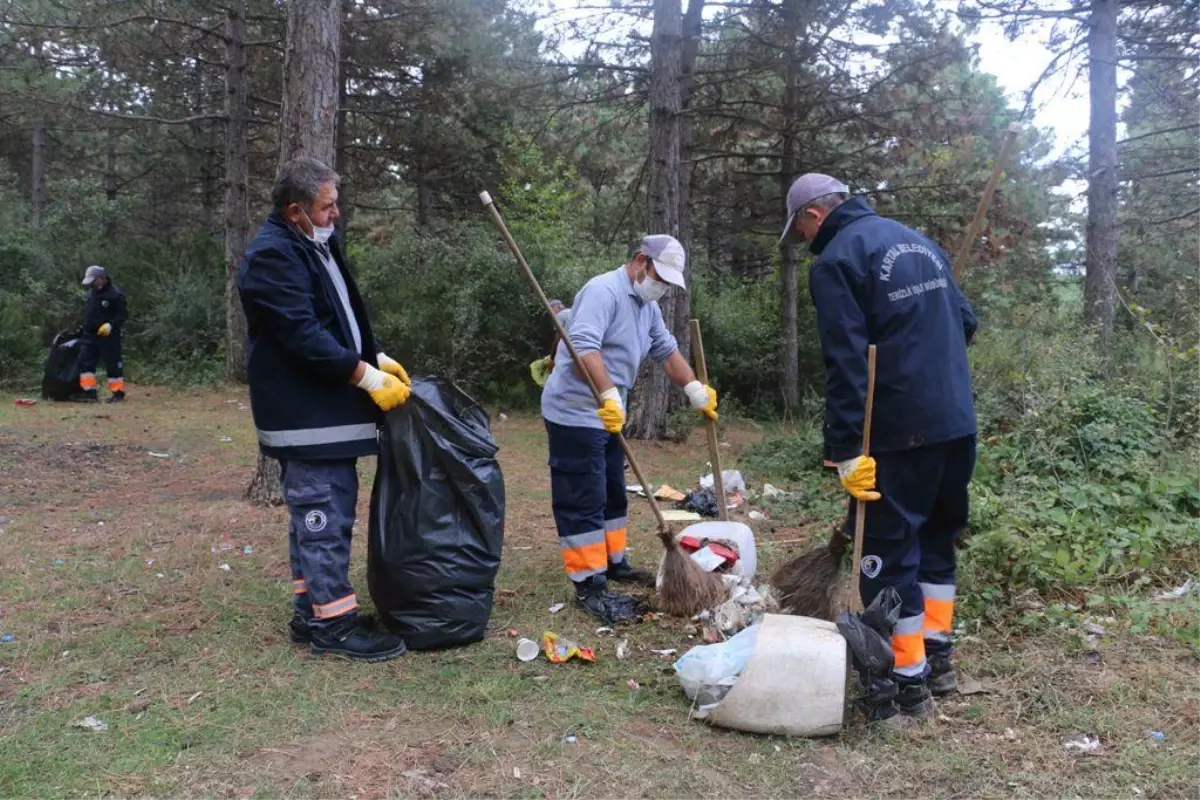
column 60, row 378
column 437, row 519
column 869, row 635
column 700, row 501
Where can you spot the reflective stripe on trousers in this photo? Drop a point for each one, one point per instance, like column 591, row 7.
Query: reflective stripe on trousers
column 908, row 643
column 939, row 611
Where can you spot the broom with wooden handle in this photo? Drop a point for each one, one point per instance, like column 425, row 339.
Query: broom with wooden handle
column 810, row 585
column 685, row 588
column 710, row 426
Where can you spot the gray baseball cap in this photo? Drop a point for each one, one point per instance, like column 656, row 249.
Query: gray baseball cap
column 669, row 259
column 93, row 272
column 807, row 188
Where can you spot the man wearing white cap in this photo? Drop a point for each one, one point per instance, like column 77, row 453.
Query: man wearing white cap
column 615, row 323
column 103, row 318
column 875, row 281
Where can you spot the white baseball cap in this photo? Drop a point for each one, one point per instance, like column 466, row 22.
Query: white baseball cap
column 806, row 189
column 93, row 272
column 669, row 259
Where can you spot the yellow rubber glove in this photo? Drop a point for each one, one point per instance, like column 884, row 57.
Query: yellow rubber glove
column 612, row 413
column 392, row 367
column 541, row 369
column 858, row 477
column 385, row 389
column 703, row 398
column 104, row 330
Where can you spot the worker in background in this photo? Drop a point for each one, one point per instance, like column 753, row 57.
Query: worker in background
column 319, row 385
column 614, row 324
column 103, row 319
column 541, row 369
column 875, row 281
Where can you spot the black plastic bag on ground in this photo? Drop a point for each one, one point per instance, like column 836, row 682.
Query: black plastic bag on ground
column 869, row 635
column 437, row 519
column 700, row 501
column 60, row 377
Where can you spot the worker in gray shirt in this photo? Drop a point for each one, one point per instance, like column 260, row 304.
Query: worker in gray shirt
column 615, row 322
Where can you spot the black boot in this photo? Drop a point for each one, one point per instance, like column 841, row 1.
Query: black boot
column 348, row 638
column 88, row 396
column 943, row 680
column 878, row 700
column 117, row 397
column 611, row 607
column 299, row 631
column 625, row 572
column 915, row 701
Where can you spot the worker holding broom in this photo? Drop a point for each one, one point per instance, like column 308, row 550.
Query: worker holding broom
column 875, row 281
column 615, row 323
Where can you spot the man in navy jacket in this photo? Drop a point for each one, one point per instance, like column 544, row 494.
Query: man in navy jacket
column 875, row 281
column 103, row 320
column 319, row 384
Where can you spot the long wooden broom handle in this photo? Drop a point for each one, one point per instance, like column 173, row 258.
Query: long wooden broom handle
column 964, row 249
column 710, row 427
column 860, row 515
column 494, row 212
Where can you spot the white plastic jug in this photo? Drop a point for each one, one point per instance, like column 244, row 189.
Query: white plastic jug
column 794, row 683
column 735, row 532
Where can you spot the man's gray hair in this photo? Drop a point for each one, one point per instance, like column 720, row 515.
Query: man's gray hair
column 299, row 181
column 828, row 202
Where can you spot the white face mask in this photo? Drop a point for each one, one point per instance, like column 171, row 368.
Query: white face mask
column 650, row 289
column 319, row 235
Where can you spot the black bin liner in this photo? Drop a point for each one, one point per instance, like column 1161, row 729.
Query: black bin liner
column 60, row 378
column 437, row 518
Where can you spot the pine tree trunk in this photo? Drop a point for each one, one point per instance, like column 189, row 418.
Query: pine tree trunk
column 310, row 105
column 237, row 171
column 789, row 352
column 649, row 402
column 1099, row 293
column 37, row 160
column 340, row 163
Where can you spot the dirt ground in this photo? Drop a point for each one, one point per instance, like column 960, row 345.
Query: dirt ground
column 139, row 589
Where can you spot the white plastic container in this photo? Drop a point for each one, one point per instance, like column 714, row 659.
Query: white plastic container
column 794, row 683
column 736, row 532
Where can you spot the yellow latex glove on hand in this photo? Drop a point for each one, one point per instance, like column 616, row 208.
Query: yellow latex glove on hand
column 392, row 367
column 612, row 413
column 541, row 369
column 703, row 398
column 858, row 477
column 104, row 330
column 385, row 389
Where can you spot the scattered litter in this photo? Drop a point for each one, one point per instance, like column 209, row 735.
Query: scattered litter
column 701, row 501
column 633, row 685
column 744, row 608
column 192, row 699
column 1083, row 744
column 521, row 547
column 707, row 672
column 138, row 706
column 1093, row 658
column 758, row 516
column 670, row 651
column 734, row 500
column 158, row 455
column 604, row 631
column 570, row 738
column 58, row 562
column 634, row 488
column 226, row 439
column 675, row 515
column 1158, row 736
column 503, row 417
column 26, row 401
column 707, row 559
column 150, row 562
column 527, row 650
column 517, row 773
column 969, row 686
column 1094, row 629
column 159, row 575
column 666, row 492
column 557, row 607
column 511, row 632
column 91, row 724
column 247, row 550
column 560, row 651
column 755, row 758
column 1010, row 734
column 770, row 492
column 622, row 649
column 221, row 548
column 6, row 638
column 1179, row 591
column 225, row 567
column 731, row 479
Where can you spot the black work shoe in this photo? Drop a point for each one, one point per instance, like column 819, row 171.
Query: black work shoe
column 349, row 639
column 625, row 572
column 299, row 631
column 943, row 680
column 915, row 701
column 88, row 396
column 117, row 397
column 611, row 607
